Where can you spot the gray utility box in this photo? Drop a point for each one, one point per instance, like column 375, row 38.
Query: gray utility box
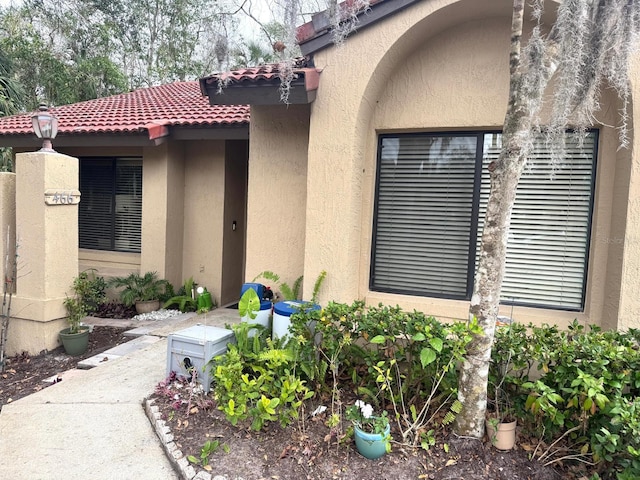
column 190, row 350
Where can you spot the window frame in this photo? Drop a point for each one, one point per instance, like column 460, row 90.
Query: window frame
column 110, row 230
column 475, row 210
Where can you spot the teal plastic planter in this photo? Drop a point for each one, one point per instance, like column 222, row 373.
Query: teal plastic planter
column 371, row 445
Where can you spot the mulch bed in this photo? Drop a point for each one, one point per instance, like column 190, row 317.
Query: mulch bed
column 24, row 374
column 307, row 450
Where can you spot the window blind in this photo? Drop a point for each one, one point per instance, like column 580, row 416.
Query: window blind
column 424, row 222
column 549, row 234
column 110, row 210
column 431, row 198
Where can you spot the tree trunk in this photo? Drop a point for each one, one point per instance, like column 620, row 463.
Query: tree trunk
column 505, row 173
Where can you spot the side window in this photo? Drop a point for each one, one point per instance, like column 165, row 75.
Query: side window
column 110, row 210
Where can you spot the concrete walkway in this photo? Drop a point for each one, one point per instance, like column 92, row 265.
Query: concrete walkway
column 92, row 425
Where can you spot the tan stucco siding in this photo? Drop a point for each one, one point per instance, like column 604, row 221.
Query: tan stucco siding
column 7, row 221
column 203, row 213
column 627, row 252
column 341, row 145
column 162, row 211
column 429, row 68
column 277, row 195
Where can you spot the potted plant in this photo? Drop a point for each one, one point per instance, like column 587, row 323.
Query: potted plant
column 509, row 368
column 75, row 338
column 143, row 291
column 372, row 433
column 501, row 422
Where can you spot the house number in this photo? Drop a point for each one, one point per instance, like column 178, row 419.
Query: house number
column 61, row 197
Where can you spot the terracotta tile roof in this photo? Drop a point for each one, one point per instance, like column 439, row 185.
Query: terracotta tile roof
column 264, row 74
column 152, row 109
column 263, row 81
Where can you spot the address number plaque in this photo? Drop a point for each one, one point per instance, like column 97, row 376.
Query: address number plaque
column 61, row 197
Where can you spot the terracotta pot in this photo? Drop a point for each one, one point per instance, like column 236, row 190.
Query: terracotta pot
column 504, row 438
column 147, row 306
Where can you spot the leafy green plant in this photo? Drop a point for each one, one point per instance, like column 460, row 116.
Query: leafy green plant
column 139, row 288
column 185, row 300
column 76, row 311
column 209, row 448
column 249, row 304
column 288, row 292
column 90, row 289
column 404, row 359
column 256, row 380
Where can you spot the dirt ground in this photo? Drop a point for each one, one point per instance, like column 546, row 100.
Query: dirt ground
column 306, row 450
column 24, row 374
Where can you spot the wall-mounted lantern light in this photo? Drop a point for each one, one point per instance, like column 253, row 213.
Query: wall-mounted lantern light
column 46, row 127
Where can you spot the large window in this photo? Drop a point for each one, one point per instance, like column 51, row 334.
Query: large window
column 110, row 213
column 431, row 196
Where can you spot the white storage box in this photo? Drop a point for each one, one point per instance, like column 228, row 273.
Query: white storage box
column 190, row 350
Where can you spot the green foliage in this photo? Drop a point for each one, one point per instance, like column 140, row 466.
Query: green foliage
column 581, row 384
column 89, row 294
column 90, row 289
column 391, row 356
column 209, row 448
column 257, row 380
column 75, row 313
column 186, row 301
column 249, row 304
column 293, row 292
column 288, row 293
column 139, row 288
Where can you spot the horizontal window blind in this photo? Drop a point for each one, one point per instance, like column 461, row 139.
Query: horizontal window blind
column 110, row 210
column 128, row 206
column 430, row 205
column 548, row 237
column 423, row 222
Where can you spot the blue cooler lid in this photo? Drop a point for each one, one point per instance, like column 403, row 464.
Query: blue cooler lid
column 258, row 287
column 265, row 305
column 289, row 307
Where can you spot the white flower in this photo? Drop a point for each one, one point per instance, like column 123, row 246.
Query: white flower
column 360, row 404
column 367, row 410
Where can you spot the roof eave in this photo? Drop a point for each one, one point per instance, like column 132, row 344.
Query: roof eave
column 302, row 91
column 317, row 35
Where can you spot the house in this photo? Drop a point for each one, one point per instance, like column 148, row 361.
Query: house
column 375, row 172
column 163, row 180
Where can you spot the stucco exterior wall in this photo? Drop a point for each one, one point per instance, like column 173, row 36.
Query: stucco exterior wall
column 163, row 180
column 628, row 249
column 203, row 214
column 277, row 196
column 437, row 65
column 47, row 235
column 7, row 219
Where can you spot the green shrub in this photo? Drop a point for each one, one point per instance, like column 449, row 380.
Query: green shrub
column 256, row 379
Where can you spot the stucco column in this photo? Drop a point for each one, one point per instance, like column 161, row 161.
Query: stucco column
column 7, row 221
column 163, row 193
column 47, row 243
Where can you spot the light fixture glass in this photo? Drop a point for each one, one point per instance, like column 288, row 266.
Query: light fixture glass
column 45, row 125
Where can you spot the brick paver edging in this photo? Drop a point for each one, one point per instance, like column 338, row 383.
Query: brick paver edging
column 173, row 453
